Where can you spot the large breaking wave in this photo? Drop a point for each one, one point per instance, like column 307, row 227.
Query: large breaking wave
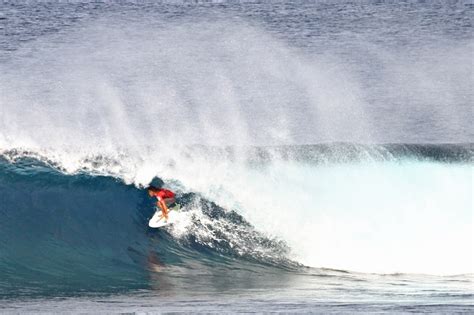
column 382, row 209
column 90, row 232
column 88, row 119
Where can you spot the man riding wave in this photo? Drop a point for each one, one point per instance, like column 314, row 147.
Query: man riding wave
column 165, row 198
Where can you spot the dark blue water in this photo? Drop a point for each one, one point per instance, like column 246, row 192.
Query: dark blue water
column 321, row 152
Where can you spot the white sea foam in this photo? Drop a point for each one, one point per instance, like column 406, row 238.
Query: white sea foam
column 383, row 217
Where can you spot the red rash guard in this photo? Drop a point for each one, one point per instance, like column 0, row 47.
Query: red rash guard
column 164, row 194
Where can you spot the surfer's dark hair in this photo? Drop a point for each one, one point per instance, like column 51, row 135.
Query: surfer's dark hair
column 152, row 188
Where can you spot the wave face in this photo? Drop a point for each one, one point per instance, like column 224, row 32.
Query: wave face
column 80, row 232
column 406, row 209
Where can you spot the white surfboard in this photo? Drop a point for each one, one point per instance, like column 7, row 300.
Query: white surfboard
column 159, row 221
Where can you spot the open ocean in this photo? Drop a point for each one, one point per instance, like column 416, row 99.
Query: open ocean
column 322, row 153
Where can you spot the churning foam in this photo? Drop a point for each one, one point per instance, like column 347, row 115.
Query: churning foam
column 383, row 217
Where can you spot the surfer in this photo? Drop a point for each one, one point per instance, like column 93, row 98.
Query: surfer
column 165, row 198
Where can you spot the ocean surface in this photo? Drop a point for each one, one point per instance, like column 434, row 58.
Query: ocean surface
column 322, row 153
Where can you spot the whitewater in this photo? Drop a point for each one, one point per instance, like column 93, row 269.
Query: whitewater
column 321, row 166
